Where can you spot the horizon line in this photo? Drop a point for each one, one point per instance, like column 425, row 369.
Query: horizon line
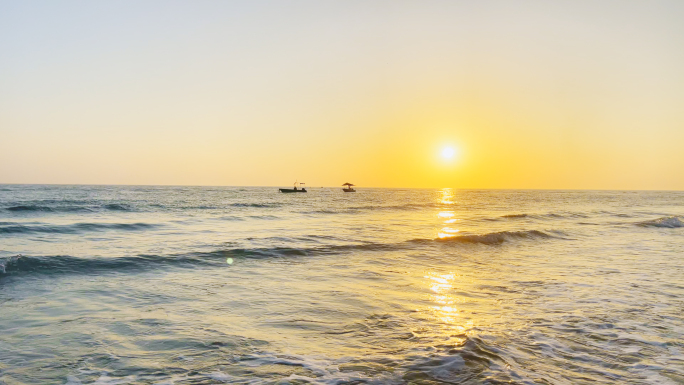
column 329, row 187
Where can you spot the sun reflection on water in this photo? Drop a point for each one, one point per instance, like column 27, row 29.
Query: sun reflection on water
column 447, row 232
column 441, row 283
column 444, row 307
column 447, row 215
column 447, row 197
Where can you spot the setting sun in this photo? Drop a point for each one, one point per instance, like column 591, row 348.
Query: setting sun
column 448, row 153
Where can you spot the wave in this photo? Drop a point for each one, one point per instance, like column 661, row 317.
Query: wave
column 356, row 209
column 547, row 216
column 230, row 218
column 118, row 207
column 86, row 207
column 69, row 209
column 326, row 211
column 69, row 264
column 310, row 251
column 267, row 217
column 459, row 359
column 462, row 359
column 512, row 216
column 29, row 208
column 541, row 217
column 258, row 205
column 500, row 237
column 667, row 222
column 61, row 264
column 218, row 207
column 4, row 262
column 15, row 228
column 564, row 215
column 408, row 206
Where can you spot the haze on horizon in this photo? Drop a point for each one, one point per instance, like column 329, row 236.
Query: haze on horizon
column 530, row 94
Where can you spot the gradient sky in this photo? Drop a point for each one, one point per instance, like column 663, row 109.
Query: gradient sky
column 532, row 94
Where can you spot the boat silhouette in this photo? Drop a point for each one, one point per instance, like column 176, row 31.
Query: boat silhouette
column 298, row 188
column 349, row 188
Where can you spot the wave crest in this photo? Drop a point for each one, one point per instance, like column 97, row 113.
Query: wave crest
column 498, row 237
column 666, row 222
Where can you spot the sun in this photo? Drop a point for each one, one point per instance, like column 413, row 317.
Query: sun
column 448, row 152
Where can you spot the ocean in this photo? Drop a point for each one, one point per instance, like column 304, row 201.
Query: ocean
column 245, row 285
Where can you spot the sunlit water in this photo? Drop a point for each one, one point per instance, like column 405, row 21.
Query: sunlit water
column 199, row 285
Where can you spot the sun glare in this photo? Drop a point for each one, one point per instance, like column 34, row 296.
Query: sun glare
column 448, row 153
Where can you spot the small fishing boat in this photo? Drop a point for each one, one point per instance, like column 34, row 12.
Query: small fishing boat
column 298, row 188
column 349, row 187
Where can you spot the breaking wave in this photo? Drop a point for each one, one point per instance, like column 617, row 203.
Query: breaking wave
column 667, row 222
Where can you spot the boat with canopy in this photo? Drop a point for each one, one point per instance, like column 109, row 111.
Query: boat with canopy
column 349, row 188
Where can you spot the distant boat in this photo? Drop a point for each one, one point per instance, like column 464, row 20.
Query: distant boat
column 298, row 188
column 349, row 187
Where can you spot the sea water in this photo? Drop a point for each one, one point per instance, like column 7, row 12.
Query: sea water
column 211, row 285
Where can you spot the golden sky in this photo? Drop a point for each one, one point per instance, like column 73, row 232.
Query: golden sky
column 530, row 94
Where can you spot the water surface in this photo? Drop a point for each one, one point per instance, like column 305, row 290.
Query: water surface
column 210, row 285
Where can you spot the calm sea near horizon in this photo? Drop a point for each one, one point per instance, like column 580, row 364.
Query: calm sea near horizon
column 245, row 285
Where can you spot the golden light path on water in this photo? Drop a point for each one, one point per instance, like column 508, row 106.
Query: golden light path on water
column 445, row 304
column 447, row 199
